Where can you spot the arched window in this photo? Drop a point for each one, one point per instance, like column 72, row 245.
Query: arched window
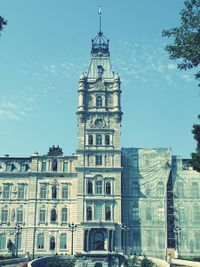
column 53, row 215
column 98, row 139
column 2, row 241
column 64, row 215
column 107, row 140
column 90, row 187
column 40, row 241
column 99, row 101
column 89, row 213
column 98, row 241
column 108, row 188
column 4, row 215
column 54, row 191
column 52, row 243
column 63, row 241
column 98, row 187
column 90, row 139
column 108, row 213
column 54, row 165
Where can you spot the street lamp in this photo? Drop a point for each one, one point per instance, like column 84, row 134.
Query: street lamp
column 177, row 230
column 18, row 230
column 72, row 228
column 124, row 228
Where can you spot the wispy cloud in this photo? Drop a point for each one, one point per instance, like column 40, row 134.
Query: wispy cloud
column 11, row 110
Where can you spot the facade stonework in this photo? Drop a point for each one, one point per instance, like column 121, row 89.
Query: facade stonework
column 121, row 200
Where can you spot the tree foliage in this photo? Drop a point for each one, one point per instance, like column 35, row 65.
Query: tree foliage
column 3, row 22
column 186, row 44
column 196, row 155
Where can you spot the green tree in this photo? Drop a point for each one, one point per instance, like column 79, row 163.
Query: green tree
column 186, row 46
column 3, row 22
column 196, row 155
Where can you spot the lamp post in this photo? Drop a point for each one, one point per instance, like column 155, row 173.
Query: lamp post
column 72, row 228
column 124, row 228
column 18, row 230
column 177, row 230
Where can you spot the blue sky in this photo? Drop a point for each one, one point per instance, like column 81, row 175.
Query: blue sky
column 45, row 47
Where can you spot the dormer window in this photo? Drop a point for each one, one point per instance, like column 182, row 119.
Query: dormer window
column 23, row 167
column 99, row 101
column 9, row 166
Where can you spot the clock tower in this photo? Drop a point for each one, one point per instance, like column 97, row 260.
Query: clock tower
column 99, row 154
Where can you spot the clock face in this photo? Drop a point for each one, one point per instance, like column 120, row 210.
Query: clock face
column 99, row 123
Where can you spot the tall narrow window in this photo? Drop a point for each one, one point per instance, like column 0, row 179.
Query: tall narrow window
column 6, row 191
column 98, row 187
column 43, row 191
column 98, row 160
column 19, row 215
column 196, row 213
column 65, row 191
column 195, row 189
column 107, row 139
column 90, row 139
column 53, row 215
column 54, row 165
column 2, row 241
column 98, row 139
column 18, row 240
column 98, row 211
column 108, row 188
column 89, row 213
column 63, row 241
column 42, row 215
column 99, row 101
column 135, row 212
column 90, row 187
column 108, row 213
column 4, row 215
column 148, row 214
column 40, row 241
column 65, row 167
column 64, row 215
column 44, row 166
column 180, row 189
column 21, row 191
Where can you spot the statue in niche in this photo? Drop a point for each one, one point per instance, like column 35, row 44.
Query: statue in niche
column 54, row 165
column 54, row 191
column 108, row 188
column 53, row 215
column 108, row 213
column 52, row 243
column 89, row 213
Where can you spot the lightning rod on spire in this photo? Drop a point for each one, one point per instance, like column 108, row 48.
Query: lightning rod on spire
column 99, row 12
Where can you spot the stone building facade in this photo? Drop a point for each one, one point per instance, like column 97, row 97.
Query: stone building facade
column 120, row 200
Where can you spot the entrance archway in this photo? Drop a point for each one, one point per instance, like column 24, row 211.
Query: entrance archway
column 98, row 241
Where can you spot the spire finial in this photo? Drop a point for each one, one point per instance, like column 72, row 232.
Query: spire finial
column 99, row 12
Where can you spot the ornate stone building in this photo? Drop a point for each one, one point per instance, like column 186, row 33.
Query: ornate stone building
column 120, row 200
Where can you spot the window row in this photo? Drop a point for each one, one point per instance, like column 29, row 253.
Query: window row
column 194, row 189
column 19, row 190
column 53, row 215
column 55, row 166
column 14, row 216
column 13, row 166
column 52, row 241
column 98, row 212
column 10, row 245
column 99, row 187
column 54, row 194
column 99, row 139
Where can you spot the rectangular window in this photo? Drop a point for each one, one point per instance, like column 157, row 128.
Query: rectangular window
column 65, row 191
column 2, row 241
column 98, row 160
column 18, row 240
column 19, row 216
column 43, row 191
column 6, row 191
column 63, row 241
column 44, row 166
column 65, row 166
column 42, row 215
column 64, row 215
column 21, row 191
column 98, row 212
column 4, row 216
